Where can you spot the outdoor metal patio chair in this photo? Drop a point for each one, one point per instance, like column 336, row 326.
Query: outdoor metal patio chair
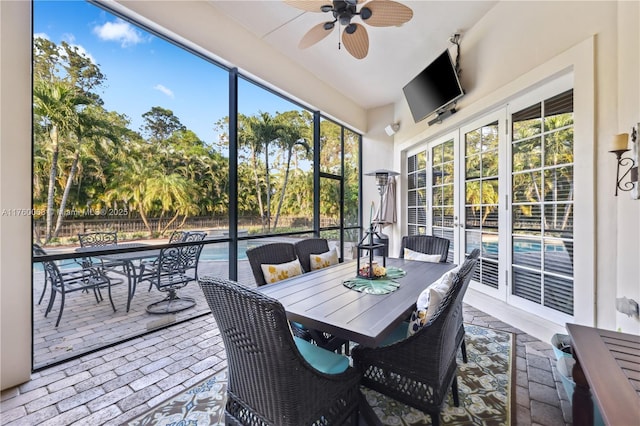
column 101, row 239
column 419, row 369
column 78, row 279
column 427, row 244
column 175, row 237
column 274, row 377
column 175, row 268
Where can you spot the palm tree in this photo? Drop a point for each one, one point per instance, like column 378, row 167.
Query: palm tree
column 174, row 193
column 259, row 133
column 294, row 132
column 56, row 107
column 92, row 126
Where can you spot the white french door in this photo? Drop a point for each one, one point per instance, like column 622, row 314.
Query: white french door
column 482, row 202
column 504, row 184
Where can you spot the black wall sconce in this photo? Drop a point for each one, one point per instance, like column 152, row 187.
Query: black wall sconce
column 626, row 166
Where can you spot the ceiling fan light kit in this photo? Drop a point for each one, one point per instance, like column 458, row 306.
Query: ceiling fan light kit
column 376, row 13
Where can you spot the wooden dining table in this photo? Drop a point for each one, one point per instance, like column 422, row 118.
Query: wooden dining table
column 320, row 301
column 606, row 373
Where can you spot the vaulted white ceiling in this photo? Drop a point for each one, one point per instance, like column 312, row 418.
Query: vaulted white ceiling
column 396, row 54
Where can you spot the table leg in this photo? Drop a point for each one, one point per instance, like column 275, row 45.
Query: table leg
column 582, row 404
column 131, row 281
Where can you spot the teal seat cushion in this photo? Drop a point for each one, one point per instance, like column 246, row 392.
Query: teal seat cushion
column 297, row 325
column 399, row 333
column 322, row 359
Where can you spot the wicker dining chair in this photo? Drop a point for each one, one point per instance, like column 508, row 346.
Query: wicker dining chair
column 304, row 249
column 274, row 253
column 427, row 244
column 418, row 370
column 273, row 377
column 270, row 253
column 307, row 247
column 460, row 337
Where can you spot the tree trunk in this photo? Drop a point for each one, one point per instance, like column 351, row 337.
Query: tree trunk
column 268, row 182
column 65, row 194
column 143, row 216
column 284, row 188
column 53, row 134
column 258, row 193
column 173, row 219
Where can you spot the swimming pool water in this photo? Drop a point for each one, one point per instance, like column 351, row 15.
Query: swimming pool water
column 220, row 251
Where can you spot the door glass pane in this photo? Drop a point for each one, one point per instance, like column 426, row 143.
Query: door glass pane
column 329, row 202
column 542, row 203
column 482, row 198
column 416, row 193
column 442, row 202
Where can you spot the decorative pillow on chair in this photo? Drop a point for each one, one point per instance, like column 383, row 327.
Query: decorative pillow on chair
column 281, row 271
column 322, row 260
column 416, row 255
column 441, row 285
column 417, row 320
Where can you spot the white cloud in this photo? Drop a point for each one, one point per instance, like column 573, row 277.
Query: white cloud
column 41, row 35
column 119, row 31
column 164, row 90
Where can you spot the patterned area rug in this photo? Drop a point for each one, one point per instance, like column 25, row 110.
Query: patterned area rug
column 485, row 389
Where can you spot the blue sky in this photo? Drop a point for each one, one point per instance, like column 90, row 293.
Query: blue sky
column 143, row 71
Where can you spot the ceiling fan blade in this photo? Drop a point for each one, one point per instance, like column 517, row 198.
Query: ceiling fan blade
column 309, row 5
column 357, row 42
column 388, row 13
column 314, row 35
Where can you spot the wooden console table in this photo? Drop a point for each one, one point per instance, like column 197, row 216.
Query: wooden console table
column 607, row 367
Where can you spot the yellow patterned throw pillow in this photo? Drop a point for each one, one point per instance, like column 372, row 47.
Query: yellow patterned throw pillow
column 418, row 319
column 281, row 271
column 322, row 260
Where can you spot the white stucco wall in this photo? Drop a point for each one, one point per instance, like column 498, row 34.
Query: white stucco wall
column 15, row 192
column 628, row 112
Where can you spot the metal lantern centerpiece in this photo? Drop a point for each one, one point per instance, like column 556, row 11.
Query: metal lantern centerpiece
column 371, row 240
column 369, row 245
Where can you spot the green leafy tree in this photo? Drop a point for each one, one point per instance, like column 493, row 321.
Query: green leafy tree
column 160, row 123
column 295, row 131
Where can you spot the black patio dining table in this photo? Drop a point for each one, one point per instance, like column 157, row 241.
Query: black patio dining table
column 127, row 258
column 319, row 300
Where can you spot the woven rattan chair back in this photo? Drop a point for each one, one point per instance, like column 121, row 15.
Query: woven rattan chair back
column 427, row 244
column 419, row 370
column 270, row 383
column 460, row 337
column 271, row 253
column 307, row 247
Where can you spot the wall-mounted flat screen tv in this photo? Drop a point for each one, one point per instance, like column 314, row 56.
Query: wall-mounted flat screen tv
column 434, row 88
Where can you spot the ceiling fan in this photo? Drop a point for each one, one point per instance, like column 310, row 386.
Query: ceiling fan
column 377, row 13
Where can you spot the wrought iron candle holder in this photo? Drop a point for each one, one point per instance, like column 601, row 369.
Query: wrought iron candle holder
column 626, row 166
